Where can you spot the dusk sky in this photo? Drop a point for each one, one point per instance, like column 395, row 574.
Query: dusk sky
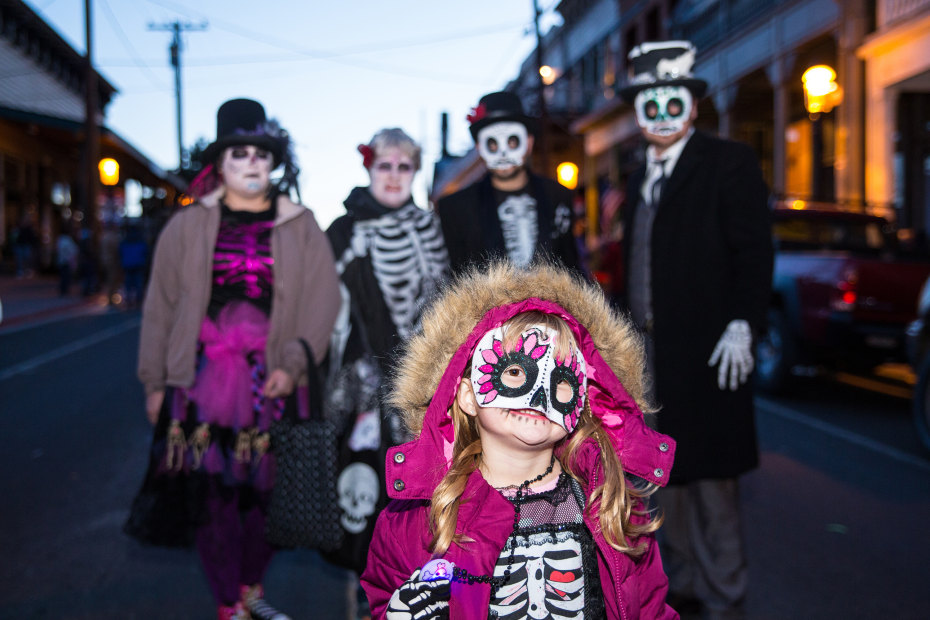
column 332, row 73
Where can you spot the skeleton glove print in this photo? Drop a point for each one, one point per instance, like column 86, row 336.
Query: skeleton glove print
column 420, row 600
column 734, row 352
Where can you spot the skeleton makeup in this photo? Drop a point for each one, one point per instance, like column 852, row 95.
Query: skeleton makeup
column 530, row 376
column 503, row 145
column 246, row 170
column 663, row 110
column 391, row 175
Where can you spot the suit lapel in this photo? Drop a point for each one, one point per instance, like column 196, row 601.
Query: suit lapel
column 687, row 162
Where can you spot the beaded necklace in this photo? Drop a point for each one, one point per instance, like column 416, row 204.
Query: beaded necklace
column 463, row 575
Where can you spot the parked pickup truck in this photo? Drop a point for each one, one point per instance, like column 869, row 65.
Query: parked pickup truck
column 843, row 294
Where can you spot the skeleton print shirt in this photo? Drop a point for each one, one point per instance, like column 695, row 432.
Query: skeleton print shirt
column 390, row 262
column 481, row 222
column 554, row 572
column 242, row 261
column 520, row 224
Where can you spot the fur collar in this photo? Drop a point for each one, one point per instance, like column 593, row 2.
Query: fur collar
column 432, row 362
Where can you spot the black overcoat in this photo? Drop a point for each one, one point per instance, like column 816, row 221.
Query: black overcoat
column 473, row 232
column 711, row 263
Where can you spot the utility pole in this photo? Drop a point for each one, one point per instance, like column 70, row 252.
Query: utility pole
column 541, row 90
column 91, row 132
column 177, row 28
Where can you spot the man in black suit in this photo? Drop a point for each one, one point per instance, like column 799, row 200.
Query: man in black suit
column 510, row 211
column 699, row 250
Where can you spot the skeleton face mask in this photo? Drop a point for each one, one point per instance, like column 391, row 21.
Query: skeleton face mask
column 530, row 376
column 246, row 170
column 503, row 145
column 663, row 110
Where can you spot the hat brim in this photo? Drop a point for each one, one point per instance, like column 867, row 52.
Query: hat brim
column 696, row 86
column 532, row 126
column 212, row 153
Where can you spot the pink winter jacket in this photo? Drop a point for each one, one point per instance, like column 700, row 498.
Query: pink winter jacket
column 633, row 588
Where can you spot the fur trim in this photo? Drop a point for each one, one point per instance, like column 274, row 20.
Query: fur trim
column 464, row 301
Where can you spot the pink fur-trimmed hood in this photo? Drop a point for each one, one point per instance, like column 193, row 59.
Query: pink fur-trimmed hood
column 435, row 359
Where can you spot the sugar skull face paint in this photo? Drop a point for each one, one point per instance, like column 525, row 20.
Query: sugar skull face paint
column 530, row 376
column 246, row 170
column 391, row 175
column 503, row 145
column 663, row 110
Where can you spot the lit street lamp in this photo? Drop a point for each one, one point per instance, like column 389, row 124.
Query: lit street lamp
column 821, row 94
column 109, row 171
column 567, row 173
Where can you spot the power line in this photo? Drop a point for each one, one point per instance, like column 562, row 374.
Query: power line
column 176, row 28
column 341, row 56
column 121, row 35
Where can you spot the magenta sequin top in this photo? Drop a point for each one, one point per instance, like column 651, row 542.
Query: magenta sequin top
column 242, row 262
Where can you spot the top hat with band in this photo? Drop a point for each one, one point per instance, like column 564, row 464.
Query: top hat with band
column 242, row 122
column 496, row 108
column 662, row 63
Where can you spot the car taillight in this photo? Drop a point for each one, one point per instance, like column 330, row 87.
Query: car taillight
column 845, row 299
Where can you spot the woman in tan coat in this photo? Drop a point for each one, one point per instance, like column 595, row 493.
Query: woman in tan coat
column 238, row 280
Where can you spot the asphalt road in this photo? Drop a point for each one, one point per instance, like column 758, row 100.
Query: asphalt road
column 836, row 516
column 73, row 452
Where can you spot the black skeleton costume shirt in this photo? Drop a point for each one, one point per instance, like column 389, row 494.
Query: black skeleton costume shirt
column 554, row 572
column 480, row 222
column 390, row 262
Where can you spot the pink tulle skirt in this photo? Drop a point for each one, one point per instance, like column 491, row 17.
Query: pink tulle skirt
column 220, row 425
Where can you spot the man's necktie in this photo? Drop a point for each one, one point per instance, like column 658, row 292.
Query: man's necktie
column 656, row 190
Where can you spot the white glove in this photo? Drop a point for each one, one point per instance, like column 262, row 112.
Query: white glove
column 734, row 352
column 420, row 600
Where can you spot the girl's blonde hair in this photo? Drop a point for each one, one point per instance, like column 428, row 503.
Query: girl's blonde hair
column 619, row 502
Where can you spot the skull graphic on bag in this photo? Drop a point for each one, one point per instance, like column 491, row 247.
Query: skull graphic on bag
column 358, row 496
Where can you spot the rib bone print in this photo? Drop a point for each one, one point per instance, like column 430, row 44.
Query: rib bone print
column 518, row 219
column 408, row 257
column 546, row 581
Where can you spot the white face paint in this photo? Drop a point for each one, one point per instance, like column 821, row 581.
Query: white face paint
column 503, row 145
column 391, row 175
column 663, row 110
column 530, row 376
column 246, row 170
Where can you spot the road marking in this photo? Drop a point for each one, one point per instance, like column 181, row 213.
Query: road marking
column 68, row 349
column 842, row 433
column 874, row 385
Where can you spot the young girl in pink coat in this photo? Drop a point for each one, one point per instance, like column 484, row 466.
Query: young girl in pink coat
column 524, row 493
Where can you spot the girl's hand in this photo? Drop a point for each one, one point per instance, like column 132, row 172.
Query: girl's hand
column 279, row 384
column 153, row 404
column 420, row 600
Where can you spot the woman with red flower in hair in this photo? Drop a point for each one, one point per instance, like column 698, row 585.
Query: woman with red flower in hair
column 391, row 257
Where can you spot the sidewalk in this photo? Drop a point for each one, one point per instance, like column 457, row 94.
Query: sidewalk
column 26, row 300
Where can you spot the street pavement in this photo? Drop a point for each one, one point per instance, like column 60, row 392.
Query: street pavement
column 27, row 301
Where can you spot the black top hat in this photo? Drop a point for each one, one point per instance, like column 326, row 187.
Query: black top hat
column 243, row 121
column 662, row 63
column 496, row 108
